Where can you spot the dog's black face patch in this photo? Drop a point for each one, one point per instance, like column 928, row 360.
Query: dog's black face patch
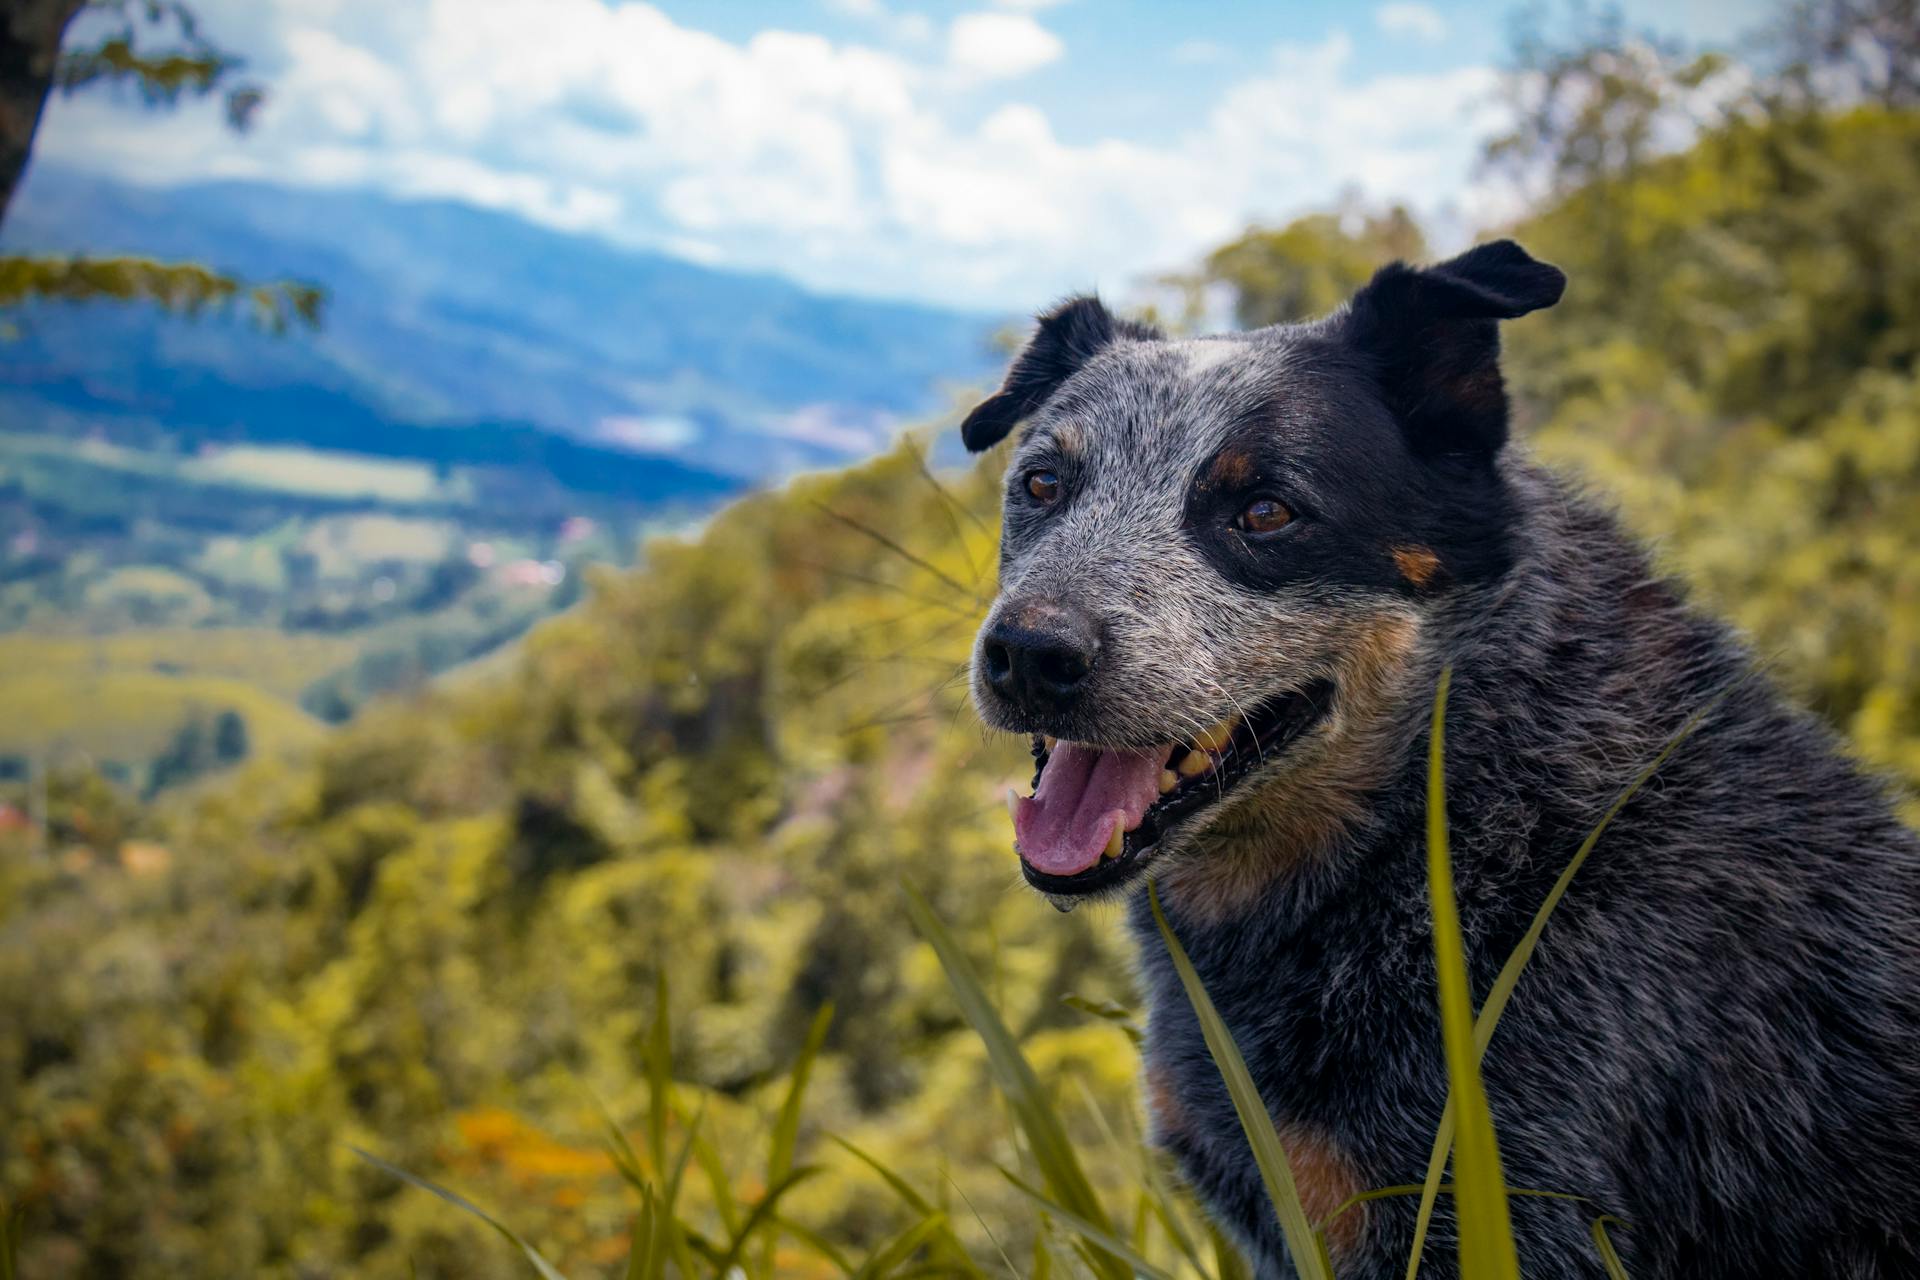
column 1199, row 534
column 1356, row 494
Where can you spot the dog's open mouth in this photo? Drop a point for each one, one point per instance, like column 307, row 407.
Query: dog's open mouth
column 1095, row 814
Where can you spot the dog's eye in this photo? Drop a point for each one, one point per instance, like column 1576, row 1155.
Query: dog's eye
column 1264, row 515
column 1044, row 486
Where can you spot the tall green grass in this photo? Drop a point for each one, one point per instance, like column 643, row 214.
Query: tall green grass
column 1054, row 1179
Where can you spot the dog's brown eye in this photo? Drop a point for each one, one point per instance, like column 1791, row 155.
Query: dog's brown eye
column 1044, row 486
column 1264, row 515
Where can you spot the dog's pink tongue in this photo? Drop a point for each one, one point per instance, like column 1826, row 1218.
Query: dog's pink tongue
column 1064, row 825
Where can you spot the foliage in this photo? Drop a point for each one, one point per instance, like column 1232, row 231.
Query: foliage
column 191, row 64
column 1306, row 268
column 181, row 287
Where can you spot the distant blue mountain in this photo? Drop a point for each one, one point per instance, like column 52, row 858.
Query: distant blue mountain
column 460, row 334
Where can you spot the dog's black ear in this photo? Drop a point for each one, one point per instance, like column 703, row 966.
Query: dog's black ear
column 1433, row 335
column 1068, row 337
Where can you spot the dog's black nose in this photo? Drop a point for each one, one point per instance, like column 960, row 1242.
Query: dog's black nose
column 1039, row 656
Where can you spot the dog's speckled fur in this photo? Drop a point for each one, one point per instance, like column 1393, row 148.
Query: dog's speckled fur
column 1719, row 1037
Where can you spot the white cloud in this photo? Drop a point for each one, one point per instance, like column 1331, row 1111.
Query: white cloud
column 847, row 167
column 989, row 46
column 1407, row 20
column 1027, row 6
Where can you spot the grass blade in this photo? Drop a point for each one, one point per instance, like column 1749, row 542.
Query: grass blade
column 786, row 1129
column 1268, row 1154
column 901, row 1187
column 719, row 1182
column 816, row 1242
column 1480, row 1190
column 641, row 1249
column 10, row 1220
column 1509, row 976
column 888, row 1257
column 1107, row 1011
column 1608, row 1257
column 658, row 1053
column 961, row 1261
column 1153, row 1189
column 762, row 1212
column 1098, row 1237
column 1046, row 1137
column 458, row 1201
column 1227, row 1262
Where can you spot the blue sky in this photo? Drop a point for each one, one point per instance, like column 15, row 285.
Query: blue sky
column 991, row 154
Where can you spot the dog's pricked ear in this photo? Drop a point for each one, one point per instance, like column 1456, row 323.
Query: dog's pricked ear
column 1068, row 336
column 1434, row 337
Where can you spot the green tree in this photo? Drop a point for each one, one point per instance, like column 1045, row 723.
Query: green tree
column 1306, row 268
column 157, row 47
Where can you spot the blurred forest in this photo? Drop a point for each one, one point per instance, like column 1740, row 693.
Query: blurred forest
column 438, row 935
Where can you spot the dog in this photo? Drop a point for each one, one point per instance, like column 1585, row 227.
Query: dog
column 1232, row 569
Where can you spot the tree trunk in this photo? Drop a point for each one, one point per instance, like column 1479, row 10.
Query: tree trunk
column 30, row 32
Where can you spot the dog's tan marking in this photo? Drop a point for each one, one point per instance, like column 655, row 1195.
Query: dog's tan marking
column 1230, row 469
column 1304, row 813
column 1163, row 1106
column 1326, row 1179
column 1322, row 1173
column 1070, row 438
column 1417, row 565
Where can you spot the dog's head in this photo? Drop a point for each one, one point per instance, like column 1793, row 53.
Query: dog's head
column 1217, row 554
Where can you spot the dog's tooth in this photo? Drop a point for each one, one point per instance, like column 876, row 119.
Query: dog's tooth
column 1168, row 780
column 1051, row 742
column 1216, row 737
column 1013, row 803
column 1117, row 841
column 1194, row 763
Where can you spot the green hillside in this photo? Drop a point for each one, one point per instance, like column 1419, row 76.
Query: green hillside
column 437, row 936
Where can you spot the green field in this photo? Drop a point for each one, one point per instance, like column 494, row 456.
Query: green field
column 147, row 590
column 309, row 472
column 122, row 697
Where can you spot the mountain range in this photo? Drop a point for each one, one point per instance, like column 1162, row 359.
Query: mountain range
column 465, row 336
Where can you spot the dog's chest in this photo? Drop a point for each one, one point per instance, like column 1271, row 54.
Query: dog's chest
column 1334, row 1047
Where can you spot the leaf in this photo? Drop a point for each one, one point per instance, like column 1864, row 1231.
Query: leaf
column 1480, row 1190
column 901, row 1187
column 816, row 1242
column 640, row 1244
column 1052, row 1153
column 1096, row 1236
column 10, row 1219
column 1154, row 1194
column 182, row 287
column 1106, row 1010
column 540, row 1264
column 1268, row 1154
column 1227, row 1262
column 888, row 1257
column 719, row 1182
column 658, row 1057
column 786, row 1128
column 1608, row 1257
column 762, row 1212
column 956, row 1249
column 1509, row 976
